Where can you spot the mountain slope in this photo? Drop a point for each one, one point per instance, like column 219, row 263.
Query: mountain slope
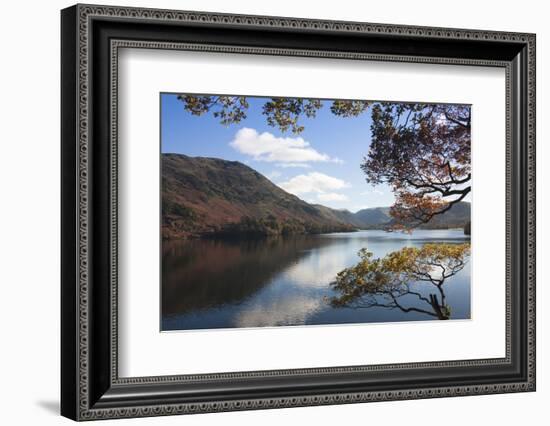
column 207, row 196
column 344, row 216
column 373, row 217
column 456, row 217
column 379, row 217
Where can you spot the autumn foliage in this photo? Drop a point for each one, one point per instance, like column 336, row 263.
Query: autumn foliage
column 384, row 282
column 423, row 153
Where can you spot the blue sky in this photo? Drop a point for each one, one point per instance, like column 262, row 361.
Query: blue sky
column 320, row 165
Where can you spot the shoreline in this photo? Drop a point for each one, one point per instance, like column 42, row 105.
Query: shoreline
column 235, row 237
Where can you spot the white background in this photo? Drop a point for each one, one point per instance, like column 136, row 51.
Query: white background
column 143, row 74
column 29, row 218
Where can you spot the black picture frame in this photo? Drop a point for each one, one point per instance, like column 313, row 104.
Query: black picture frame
column 90, row 386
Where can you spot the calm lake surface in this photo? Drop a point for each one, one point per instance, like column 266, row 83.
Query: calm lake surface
column 285, row 281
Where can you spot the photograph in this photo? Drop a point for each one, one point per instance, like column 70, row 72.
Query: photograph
column 290, row 211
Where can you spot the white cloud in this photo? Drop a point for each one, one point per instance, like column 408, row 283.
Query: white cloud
column 267, row 147
column 332, row 196
column 293, row 165
column 313, row 182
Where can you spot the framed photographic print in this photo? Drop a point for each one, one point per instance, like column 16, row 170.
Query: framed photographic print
column 263, row 212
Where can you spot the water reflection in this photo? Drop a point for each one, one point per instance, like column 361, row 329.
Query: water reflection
column 279, row 311
column 282, row 281
column 202, row 274
column 386, row 282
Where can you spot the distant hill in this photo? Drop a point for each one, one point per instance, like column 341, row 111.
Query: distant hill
column 213, row 197
column 209, row 196
column 375, row 217
column 456, row 217
column 379, row 217
column 340, row 215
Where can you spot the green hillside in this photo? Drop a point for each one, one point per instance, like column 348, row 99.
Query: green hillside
column 210, row 196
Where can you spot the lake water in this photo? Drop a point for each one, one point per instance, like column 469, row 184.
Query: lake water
column 286, row 281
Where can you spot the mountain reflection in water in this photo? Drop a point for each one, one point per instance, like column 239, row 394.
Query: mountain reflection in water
column 284, row 281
